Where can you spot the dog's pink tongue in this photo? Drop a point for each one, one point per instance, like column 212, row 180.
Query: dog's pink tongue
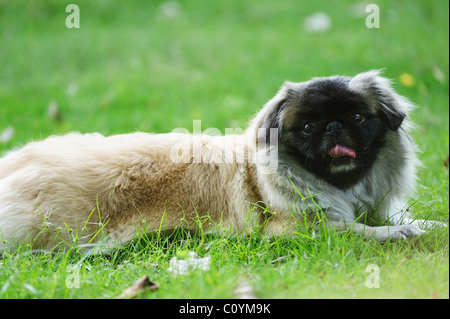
column 340, row 150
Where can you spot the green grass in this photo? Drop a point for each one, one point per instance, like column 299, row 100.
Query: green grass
column 129, row 67
column 329, row 266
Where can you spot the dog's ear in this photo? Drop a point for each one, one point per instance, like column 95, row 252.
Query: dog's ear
column 392, row 108
column 270, row 116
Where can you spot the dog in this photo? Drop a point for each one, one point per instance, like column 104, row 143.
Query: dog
column 337, row 146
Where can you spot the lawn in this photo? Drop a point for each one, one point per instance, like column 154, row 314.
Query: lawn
column 157, row 65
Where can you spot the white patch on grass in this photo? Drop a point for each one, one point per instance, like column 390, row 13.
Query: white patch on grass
column 317, row 22
column 7, row 134
column 183, row 266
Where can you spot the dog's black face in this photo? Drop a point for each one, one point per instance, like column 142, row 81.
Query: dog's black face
column 334, row 132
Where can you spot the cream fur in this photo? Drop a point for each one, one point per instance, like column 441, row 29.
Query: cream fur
column 131, row 178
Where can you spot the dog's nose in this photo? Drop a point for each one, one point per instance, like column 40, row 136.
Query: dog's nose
column 333, row 127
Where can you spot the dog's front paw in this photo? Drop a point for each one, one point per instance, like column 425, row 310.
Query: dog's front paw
column 396, row 233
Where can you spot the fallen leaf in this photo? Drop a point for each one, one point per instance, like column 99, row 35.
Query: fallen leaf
column 53, row 111
column 140, row 286
column 280, row 260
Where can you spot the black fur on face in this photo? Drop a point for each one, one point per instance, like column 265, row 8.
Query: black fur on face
column 326, row 114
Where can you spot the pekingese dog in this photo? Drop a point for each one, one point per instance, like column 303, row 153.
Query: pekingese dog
column 337, row 146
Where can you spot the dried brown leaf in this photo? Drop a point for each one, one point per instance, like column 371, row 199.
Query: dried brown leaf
column 54, row 112
column 140, row 286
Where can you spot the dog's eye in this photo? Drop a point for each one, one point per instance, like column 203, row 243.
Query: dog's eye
column 308, row 128
column 357, row 117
